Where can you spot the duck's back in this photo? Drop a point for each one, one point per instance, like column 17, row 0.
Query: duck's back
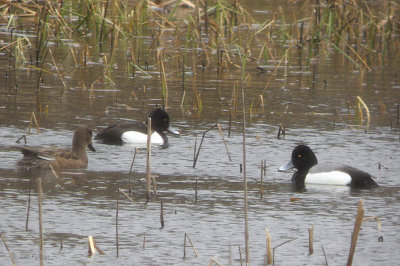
column 340, row 175
column 114, row 134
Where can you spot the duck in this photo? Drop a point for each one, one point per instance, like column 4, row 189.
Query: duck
column 56, row 158
column 135, row 132
column 305, row 161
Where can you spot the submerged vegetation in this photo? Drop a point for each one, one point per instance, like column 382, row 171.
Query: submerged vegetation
column 177, row 37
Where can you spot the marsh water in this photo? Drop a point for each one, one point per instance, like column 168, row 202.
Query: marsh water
column 205, row 201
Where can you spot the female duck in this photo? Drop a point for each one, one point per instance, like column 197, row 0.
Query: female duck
column 53, row 157
column 136, row 132
column 303, row 159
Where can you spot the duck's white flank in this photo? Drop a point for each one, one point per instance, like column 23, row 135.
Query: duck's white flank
column 329, row 178
column 140, row 138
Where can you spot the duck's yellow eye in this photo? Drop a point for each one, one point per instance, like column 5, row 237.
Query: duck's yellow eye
column 299, row 155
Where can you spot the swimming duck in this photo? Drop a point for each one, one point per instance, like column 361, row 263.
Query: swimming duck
column 136, row 132
column 305, row 161
column 53, row 157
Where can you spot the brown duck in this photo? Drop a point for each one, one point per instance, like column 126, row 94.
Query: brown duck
column 53, row 157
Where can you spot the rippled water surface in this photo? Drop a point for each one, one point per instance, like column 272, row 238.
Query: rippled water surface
column 206, row 202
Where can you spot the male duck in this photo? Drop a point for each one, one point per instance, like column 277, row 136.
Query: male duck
column 136, row 132
column 56, row 158
column 303, row 159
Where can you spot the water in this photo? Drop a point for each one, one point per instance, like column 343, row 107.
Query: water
column 83, row 203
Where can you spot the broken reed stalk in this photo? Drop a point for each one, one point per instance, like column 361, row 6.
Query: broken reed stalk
column 33, row 117
column 398, row 115
column 91, row 250
column 130, row 170
column 126, row 195
column 191, row 244
column 261, row 179
column 310, row 240
column 282, row 127
column 269, row 247
column 240, row 256
column 281, row 244
column 323, row 251
column 8, row 250
column 340, row 116
column 29, row 206
column 230, row 124
column 223, row 138
column 40, row 221
column 61, row 243
column 356, row 231
column 153, row 178
column 201, row 144
column 93, row 247
column 195, row 192
column 214, row 260
column 116, row 225
column 162, row 215
column 380, row 238
column 148, row 173
column 366, row 110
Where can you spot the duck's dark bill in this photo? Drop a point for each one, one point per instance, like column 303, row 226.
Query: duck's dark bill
column 173, row 130
column 90, row 146
column 286, row 167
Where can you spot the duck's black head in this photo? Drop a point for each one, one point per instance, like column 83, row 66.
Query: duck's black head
column 303, row 158
column 160, row 121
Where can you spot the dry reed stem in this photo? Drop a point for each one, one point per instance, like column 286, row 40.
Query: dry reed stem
column 59, row 74
column 380, row 239
column 356, row 231
column 162, row 214
column 148, row 161
column 240, row 256
column 191, row 244
column 8, row 250
column 130, row 170
column 214, row 261
column 126, row 195
column 311, row 240
column 246, row 221
column 281, row 244
column 323, row 251
column 366, row 110
column 116, row 225
column 261, row 179
column 340, row 116
column 33, row 117
column 29, row 206
column 92, row 249
column 195, row 192
column 269, row 247
column 223, row 138
column 153, row 178
column 201, row 144
column 40, row 222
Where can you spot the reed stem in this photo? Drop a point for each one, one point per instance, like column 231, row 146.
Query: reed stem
column 356, row 231
column 148, row 162
column 40, row 222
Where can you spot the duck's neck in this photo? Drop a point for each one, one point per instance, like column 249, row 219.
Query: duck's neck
column 164, row 137
column 79, row 152
column 298, row 179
